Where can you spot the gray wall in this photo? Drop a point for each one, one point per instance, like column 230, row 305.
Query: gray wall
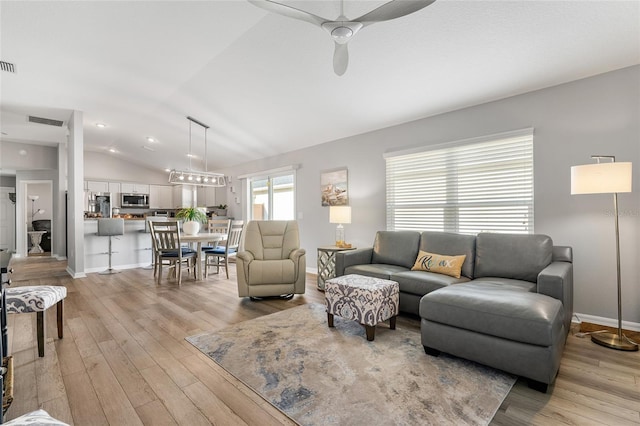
column 597, row 115
column 8, row 181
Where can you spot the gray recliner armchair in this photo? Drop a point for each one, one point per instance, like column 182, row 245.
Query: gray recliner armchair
column 271, row 262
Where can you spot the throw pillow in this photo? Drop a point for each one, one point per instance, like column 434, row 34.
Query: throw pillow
column 440, row 264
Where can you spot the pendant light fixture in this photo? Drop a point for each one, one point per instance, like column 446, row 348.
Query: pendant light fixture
column 190, row 177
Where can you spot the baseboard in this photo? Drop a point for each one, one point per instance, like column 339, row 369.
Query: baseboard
column 116, row 267
column 75, row 274
column 609, row 322
column 312, row 270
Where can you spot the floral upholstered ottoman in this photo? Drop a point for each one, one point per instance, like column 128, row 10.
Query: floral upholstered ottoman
column 364, row 299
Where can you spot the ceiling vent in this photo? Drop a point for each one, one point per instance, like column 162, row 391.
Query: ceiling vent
column 7, row 66
column 47, row 121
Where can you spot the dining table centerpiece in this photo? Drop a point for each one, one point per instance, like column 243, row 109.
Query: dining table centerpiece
column 192, row 217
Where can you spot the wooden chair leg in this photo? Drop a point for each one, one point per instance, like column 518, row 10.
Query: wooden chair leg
column 60, row 316
column 226, row 266
column 40, row 319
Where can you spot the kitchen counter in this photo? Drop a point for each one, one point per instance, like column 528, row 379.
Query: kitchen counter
column 131, row 250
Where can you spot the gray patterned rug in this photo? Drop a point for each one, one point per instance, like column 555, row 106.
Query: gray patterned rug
column 332, row 376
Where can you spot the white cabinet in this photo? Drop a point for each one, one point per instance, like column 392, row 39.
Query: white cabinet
column 183, row 196
column 95, row 186
column 206, row 196
column 134, row 188
column 161, row 197
column 114, row 189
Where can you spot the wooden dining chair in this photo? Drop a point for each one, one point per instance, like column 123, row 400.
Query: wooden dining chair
column 219, row 256
column 167, row 247
column 217, row 226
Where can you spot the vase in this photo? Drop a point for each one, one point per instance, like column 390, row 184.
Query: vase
column 191, row 227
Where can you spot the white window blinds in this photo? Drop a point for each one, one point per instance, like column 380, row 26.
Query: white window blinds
column 479, row 186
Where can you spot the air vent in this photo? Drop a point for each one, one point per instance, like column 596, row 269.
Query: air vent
column 7, row 66
column 47, row 121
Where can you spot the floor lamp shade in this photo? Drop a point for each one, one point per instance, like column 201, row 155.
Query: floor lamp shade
column 603, row 178
column 607, row 178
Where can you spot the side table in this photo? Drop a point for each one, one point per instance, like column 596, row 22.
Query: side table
column 327, row 263
column 36, row 239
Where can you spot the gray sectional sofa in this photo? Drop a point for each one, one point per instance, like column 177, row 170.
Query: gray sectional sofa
column 511, row 308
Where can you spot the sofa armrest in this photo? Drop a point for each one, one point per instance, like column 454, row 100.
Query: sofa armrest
column 295, row 254
column 246, row 256
column 556, row 280
column 348, row 258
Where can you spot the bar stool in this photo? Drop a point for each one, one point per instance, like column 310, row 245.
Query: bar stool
column 37, row 298
column 110, row 228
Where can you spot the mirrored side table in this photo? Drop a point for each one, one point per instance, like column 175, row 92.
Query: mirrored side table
column 327, row 263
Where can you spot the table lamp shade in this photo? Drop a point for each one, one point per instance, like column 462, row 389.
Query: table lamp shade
column 602, row 178
column 339, row 214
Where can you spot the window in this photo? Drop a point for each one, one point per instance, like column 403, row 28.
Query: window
column 272, row 196
column 482, row 185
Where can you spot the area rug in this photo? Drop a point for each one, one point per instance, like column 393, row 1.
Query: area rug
column 318, row 375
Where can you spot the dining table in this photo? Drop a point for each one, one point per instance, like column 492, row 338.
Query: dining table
column 203, row 237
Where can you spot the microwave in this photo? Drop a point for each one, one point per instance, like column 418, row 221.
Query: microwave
column 134, row 200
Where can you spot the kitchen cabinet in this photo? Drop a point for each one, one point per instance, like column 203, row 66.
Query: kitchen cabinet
column 95, row 186
column 134, row 188
column 114, row 189
column 183, row 195
column 161, row 197
column 206, row 196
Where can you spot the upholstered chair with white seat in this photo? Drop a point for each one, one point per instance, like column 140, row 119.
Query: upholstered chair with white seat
column 37, row 298
column 272, row 262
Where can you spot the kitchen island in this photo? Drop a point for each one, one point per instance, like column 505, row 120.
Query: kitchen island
column 131, row 250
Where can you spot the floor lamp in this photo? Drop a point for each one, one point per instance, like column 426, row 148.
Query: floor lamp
column 607, row 178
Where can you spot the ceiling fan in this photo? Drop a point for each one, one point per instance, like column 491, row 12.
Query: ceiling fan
column 343, row 29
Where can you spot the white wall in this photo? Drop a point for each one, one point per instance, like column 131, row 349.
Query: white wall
column 99, row 166
column 597, row 115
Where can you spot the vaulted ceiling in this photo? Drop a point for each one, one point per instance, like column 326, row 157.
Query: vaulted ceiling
column 265, row 84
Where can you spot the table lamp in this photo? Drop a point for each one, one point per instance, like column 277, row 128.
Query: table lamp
column 340, row 215
column 607, row 178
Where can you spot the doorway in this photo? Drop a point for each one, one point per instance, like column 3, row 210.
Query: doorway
column 38, row 213
column 7, row 218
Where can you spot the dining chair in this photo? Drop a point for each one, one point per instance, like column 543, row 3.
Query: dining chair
column 167, row 247
column 219, row 256
column 217, row 226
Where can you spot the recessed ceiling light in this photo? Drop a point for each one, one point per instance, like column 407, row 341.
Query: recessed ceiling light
column 190, row 155
column 112, row 150
column 167, row 170
column 22, row 152
column 148, row 148
column 101, row 125
column 150, row 139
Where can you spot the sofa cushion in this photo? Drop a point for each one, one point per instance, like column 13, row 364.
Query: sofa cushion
column 508, row 283
column 452, row 245
column 272, row 272
column 374, row 270
column 515, row 256
column 439, row 264
column 490, row 309
column 421, row 283
column 396, row 248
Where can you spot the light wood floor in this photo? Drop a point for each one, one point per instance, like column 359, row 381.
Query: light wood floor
column 124, row 360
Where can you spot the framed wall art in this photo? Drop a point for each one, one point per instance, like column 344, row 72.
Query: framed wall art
column 333, row 187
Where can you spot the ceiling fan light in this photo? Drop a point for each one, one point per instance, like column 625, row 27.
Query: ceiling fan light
column 341, row 33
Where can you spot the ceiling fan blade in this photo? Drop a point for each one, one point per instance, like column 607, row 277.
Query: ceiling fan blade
column 340, row 58
column 288, row 11
column 392, row 10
